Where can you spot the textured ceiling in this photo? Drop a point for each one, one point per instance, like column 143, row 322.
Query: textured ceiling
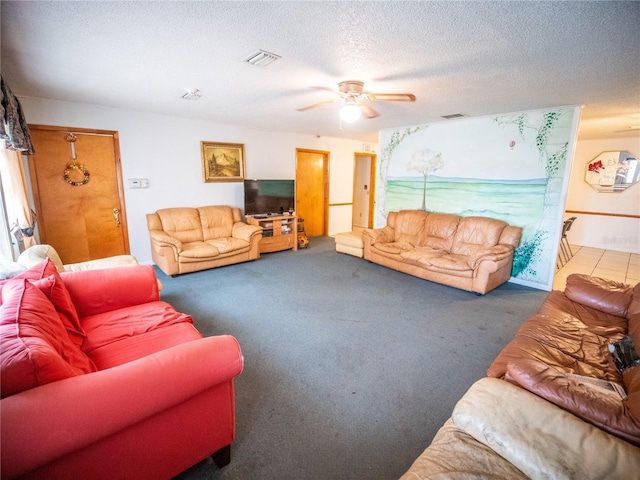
column 474, row 58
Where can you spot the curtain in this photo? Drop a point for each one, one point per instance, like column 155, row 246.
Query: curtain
column 13, row 127
column 14, row 184
column 15, row 138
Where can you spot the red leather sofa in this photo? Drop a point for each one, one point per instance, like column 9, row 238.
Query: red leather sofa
column 102, row 379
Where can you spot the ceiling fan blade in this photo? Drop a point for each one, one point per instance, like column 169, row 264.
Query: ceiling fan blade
column 327, row 89
column 318, row 105
column 368, row 111
column 392, row 97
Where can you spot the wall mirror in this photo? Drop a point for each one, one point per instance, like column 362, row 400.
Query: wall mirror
column 612, row 172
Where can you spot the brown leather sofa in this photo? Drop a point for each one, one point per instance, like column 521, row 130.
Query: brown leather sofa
column 187, row 240
column 547, row 409
column 470, row 253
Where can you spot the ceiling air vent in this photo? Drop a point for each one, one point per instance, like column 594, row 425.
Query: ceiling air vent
column 261, row 58
column 453, row 115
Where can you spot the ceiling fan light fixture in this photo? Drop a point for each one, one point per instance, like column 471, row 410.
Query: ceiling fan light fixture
column 350, row 113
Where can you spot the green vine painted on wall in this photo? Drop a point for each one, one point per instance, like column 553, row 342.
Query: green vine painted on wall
column 528, row 254
column 556, row 160
column 549, row 119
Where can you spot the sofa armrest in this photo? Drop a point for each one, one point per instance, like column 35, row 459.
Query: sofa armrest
column 580, row 396
column 163, row 239
column 540, row 439
column 103, row 290
column 493, row 254
column 48, row 422
column 245, row 232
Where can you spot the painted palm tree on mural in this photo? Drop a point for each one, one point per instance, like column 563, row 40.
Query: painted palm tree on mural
column 425, row 161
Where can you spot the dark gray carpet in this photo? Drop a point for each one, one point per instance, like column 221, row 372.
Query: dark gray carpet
column 350, row 367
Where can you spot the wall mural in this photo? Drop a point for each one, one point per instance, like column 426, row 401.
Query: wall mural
column 512, row 167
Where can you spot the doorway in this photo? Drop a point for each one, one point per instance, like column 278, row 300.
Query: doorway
column 78, row 193
column 364, row 178
column 312, row 190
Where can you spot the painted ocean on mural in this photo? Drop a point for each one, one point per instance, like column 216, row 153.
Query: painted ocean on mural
column 518, row 203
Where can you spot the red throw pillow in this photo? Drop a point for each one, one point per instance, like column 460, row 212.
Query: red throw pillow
column 53, row 287
column 45, row 275
column 35, row 346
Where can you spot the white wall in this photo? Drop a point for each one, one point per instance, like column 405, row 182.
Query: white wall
column 166, row 150
column 599, row 231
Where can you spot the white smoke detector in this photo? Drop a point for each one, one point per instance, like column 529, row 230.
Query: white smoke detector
column 191, row 94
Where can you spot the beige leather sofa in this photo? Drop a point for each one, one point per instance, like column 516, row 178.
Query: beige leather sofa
column 543, row 412
column 187, row 240
column 470, row 253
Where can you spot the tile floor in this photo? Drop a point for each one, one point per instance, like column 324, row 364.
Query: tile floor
column 618, row 266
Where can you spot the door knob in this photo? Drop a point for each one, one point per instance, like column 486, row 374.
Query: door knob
column 116, row 215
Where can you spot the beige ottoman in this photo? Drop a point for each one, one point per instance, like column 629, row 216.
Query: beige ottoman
column 350, row 242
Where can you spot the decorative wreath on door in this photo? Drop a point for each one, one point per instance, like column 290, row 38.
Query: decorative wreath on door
column 73, row 166
column 71, row 138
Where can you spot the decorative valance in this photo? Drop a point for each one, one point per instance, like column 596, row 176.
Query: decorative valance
column 13, row 127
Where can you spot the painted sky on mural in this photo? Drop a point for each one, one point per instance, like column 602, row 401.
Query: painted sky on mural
column 491, row 140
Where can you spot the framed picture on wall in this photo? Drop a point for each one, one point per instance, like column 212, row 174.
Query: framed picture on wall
column 222, row 162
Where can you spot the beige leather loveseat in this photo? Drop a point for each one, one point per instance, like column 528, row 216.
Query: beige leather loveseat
column 186, row 240
column 470, row 253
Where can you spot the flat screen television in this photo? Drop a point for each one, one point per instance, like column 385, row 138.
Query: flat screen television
column 268, row 197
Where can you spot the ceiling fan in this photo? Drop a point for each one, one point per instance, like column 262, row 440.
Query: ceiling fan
column 351, row 94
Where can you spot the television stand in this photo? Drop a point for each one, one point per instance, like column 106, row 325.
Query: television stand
column 279, row 232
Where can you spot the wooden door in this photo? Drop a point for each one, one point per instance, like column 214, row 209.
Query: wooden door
column 312, row 190
column 81, row 211
column 364, row 190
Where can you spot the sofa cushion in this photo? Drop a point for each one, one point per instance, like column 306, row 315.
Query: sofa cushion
column 420, row 254
column 198, row 251
column 456, row 263
column 229, row 244
column 557, row 304
column 216, row 221
column 181, row 223
column 476, row 233
column 394, row 248
column 594, row 404
column 561, row 341
column 603, row 295
column 543, row 441
column 35, row 346
column 121, row 336
column 438, row 231
column 112, row 327
column 409, row 225
column 129, row 349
